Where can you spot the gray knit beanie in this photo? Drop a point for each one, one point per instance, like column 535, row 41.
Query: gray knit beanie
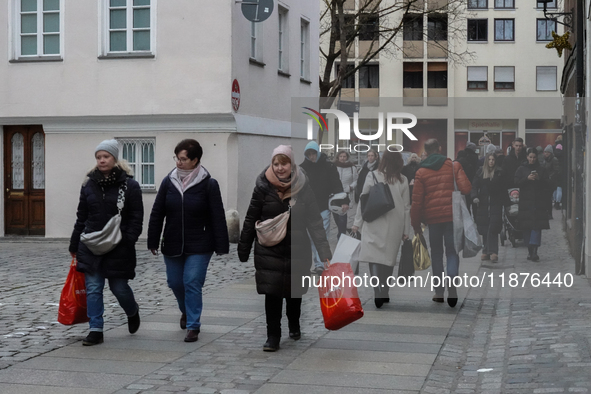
column 109, row 146
column 549, row 149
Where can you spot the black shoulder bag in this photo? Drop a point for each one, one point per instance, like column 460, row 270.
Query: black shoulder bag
column 377, row 202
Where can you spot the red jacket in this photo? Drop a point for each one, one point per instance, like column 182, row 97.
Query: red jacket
column 434, row 184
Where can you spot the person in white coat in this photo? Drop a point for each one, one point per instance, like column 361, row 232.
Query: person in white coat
column 381, row 238
column 348, row 176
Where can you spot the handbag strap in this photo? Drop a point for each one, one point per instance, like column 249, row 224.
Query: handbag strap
column 453, row 175
column 121, row 196
column 374, row 177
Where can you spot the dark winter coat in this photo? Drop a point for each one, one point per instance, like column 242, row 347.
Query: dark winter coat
column 533, row 197
column 280, row 268
column 195, row 219
column 363, row 176
column 552, row 167
column 469, row 163
column 510, row 165
column 492, row 196
column 96, row 207
column 324, row 179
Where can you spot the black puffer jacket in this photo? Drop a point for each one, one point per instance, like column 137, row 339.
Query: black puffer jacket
column 492, row 196
column 195, row 219
column 510, row 165
column 533, row 197
column 279, row 268
column 96, row 206
column 324, row 179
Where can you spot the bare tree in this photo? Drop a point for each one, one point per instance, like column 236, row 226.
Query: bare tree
column 378, row 23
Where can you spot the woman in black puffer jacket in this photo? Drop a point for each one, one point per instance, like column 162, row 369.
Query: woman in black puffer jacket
column 190, row 200
column 98, row 204
column 280, row 268
column 533, row 184
column 490, row 196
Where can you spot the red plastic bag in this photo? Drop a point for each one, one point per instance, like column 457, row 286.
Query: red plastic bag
column 339, row 299
column 72, row 309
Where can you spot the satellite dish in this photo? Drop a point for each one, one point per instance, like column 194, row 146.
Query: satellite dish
column 257, row 10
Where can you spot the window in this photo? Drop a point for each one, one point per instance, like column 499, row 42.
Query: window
column 348, row 82
column 505, row 4
column 140, row 155
column 412, row 76
column 38, row 29
column 349, row 28
column 256, row 43
column 477, row 29
column 477, row 78
column 283, row 40
column 412, row 28
column 253, row 40
column 477, row 4
column 504, row 78
column 437, row 28
column 304, row 49
column 437, row 75
column 504, row 29
column 544, row 29
column 369, row 77
column 546, row 78
column 369, row 27
column 552, row 4
column 129, row 27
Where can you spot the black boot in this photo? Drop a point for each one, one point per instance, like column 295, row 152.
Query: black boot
column 452, row 296
column 272, row 344
column 93, row 338
column 534, row 256
column 529, row 252
column 133, row 322
column 294, row 331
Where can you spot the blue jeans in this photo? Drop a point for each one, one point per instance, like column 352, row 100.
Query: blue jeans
column 326, row 222
column 440, row 234
column 532, row 237
column 95, row 306
column 185, row 276
column 557, row 197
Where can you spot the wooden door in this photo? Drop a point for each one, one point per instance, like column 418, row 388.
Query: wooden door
column 24, row 180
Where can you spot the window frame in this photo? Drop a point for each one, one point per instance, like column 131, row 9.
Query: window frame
column 512, row 20
column 304, row 49
column 106, row 52
column 369, row 29
column 505, row 7
column 550, row 38
column 485, row 7
column 139, row 162
column 349, row 82
column 468, row 81
column 555, row 79
column 485, row 20
column 369, row 69
column 511, row 88
column 410, row 77
column 550, row 6
column 16, row 33
column 283, row 39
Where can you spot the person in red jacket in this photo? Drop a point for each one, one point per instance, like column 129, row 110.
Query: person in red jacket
column 432, row 205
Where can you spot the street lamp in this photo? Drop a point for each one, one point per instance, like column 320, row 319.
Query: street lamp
column 568, row 16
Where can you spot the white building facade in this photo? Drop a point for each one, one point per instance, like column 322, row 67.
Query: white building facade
column 148, row 73
column 508, row 87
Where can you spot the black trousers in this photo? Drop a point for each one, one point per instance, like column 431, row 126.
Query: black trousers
column 382, row 272
column 273, row 310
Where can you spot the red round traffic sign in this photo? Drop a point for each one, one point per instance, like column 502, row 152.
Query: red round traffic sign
column 235, row 95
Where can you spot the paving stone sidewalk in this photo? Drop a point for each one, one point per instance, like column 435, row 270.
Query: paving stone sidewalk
column 521, row 338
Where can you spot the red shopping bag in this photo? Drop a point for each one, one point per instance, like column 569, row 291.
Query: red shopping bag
column 72, row 309
column 339, row 299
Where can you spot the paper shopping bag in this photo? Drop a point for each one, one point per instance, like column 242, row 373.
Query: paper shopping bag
column 347, row 250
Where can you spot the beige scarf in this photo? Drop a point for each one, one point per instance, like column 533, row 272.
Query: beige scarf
column 286, row 188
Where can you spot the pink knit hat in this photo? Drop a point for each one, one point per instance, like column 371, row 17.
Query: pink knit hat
column 283, row 150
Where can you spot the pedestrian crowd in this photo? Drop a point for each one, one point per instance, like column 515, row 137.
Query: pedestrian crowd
column 289, row 215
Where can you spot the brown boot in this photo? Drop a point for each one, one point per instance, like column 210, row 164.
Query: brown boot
column 494, row 257
column 484, row 257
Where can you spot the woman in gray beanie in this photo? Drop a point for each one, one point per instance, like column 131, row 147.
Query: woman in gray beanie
column 98, row 204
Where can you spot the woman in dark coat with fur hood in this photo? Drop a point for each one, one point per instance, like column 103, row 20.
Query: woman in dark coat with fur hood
column 280, row 268
column 98, row 204
column 533, row 184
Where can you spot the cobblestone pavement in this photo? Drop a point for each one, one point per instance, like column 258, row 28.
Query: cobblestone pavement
column 32, row 275
column 516, row 339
